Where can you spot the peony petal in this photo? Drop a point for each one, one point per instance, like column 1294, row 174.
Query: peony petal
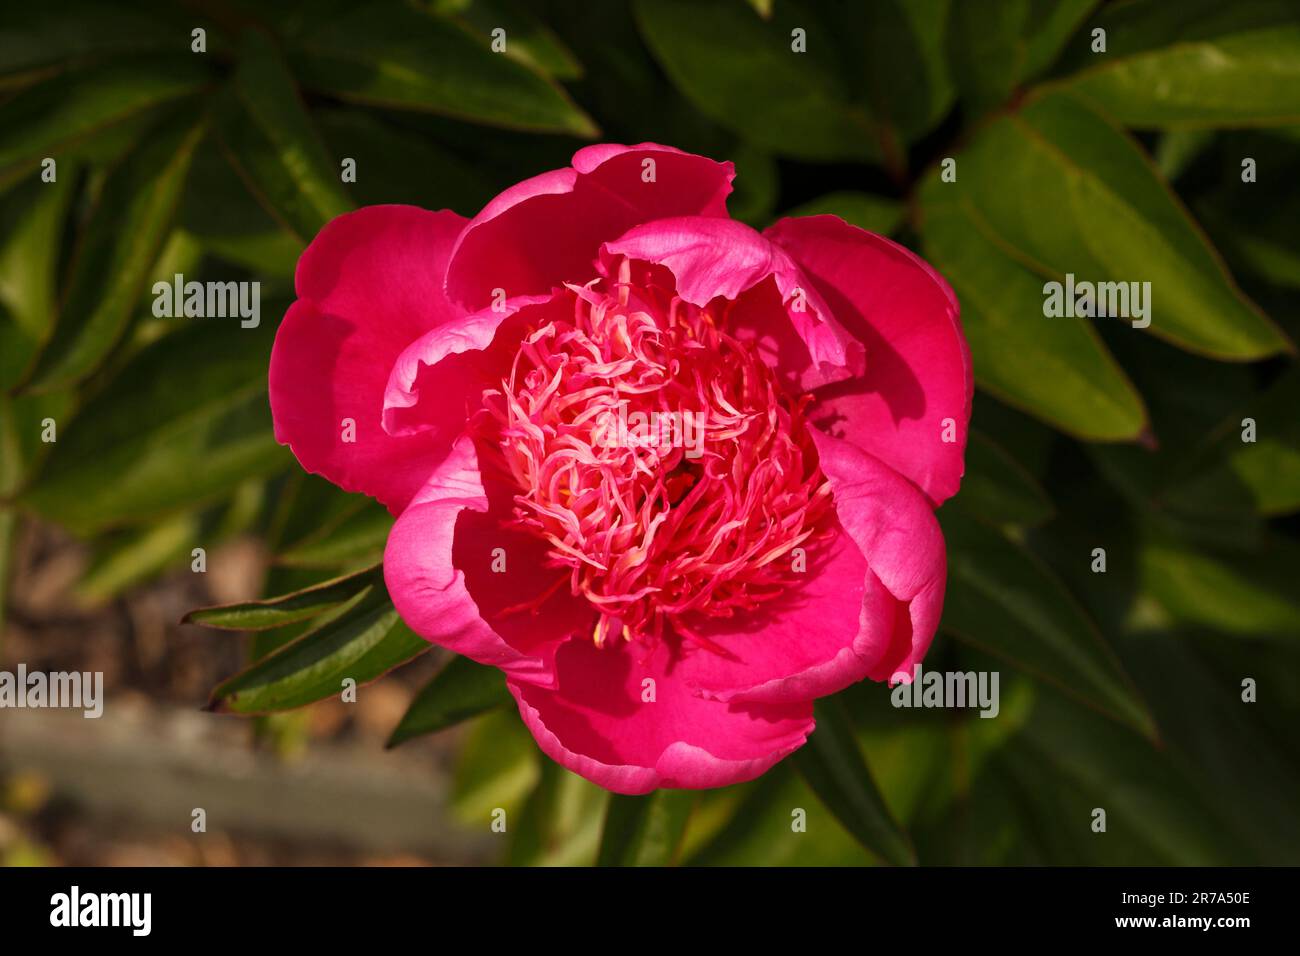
column 547, row 230
column 596, row 723
column 440, row 567
column 892, row 524
column 368, row 285
column 458, row 361
column 722, row 257
column 918, row 370
column 841, row 626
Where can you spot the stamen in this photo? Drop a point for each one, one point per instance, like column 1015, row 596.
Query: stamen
column 659, row 457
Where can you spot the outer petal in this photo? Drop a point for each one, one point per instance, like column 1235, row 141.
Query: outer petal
column 869, row 608
column 368, row 284
column 457, row 361
column 918, row 370
column 892, row 524
column 438, row 566
column 829, row 634
column 595, row 723
column 722, row 257
column 548, row 230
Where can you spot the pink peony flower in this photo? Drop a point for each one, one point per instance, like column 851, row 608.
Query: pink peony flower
column 674, row 477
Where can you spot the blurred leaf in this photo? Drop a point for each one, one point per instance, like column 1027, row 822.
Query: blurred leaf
column 1222, row 745
column 1267, row 469
column 1003, row 600
column 391, row 55
column 394, row 166
column 31, row 38
column 355, row 540
column 220, row 213
column 1254, row 223
column 270, row 139
column 1194, row 63
column 52, row 117
column 832, row 763
column 561, row 822
column 528, row 39
column 498, row 766
column 462, row 689
column 760, row 829
column 645, row 830
column 1178, row 149
column 995, row 47
column 997, row 489
column 1113, row 219
column 1235, row 594
column 894, row 53
column 287, row 608
column 755, row 189
column 31, row 228
column 185, row 421
column 130, row 558
column 740, row 70
column 1067, row 762
column 115, row 255
column 1054, row 368
column 864, row 210
column 362, row 643
column 139, row 555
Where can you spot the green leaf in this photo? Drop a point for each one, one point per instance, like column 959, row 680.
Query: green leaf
column 527, row 38
column 116, row 255
column 1112, row 219
column 394, row 166
column 1194, row 63
column 1067, row 762
column 995, row 47
column 356, row 539
column 362, row 643
column 31, row 224
column 139, row 555
column 1003, row 600
column 874, row 213
column 461, row 690
column 224, row 218
column 52, row 118
column 754, row 825
column 893, row 56
column 394, row 56
column 645, row 830
column 286, row 608
column 1261, row 475
column 739, row 69
column 561, row 821
column 1251, row 594
column 497, row 768
column 998, row 489
column 32, row 38
column 270, row 139
column 834, row 767
column 184, row 422
column 1055, row 369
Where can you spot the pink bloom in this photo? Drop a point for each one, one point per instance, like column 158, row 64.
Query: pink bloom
column 676, row 478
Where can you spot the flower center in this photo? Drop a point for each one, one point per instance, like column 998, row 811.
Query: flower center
column 658, row 456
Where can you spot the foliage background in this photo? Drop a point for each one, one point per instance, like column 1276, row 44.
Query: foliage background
column 1119, row 690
